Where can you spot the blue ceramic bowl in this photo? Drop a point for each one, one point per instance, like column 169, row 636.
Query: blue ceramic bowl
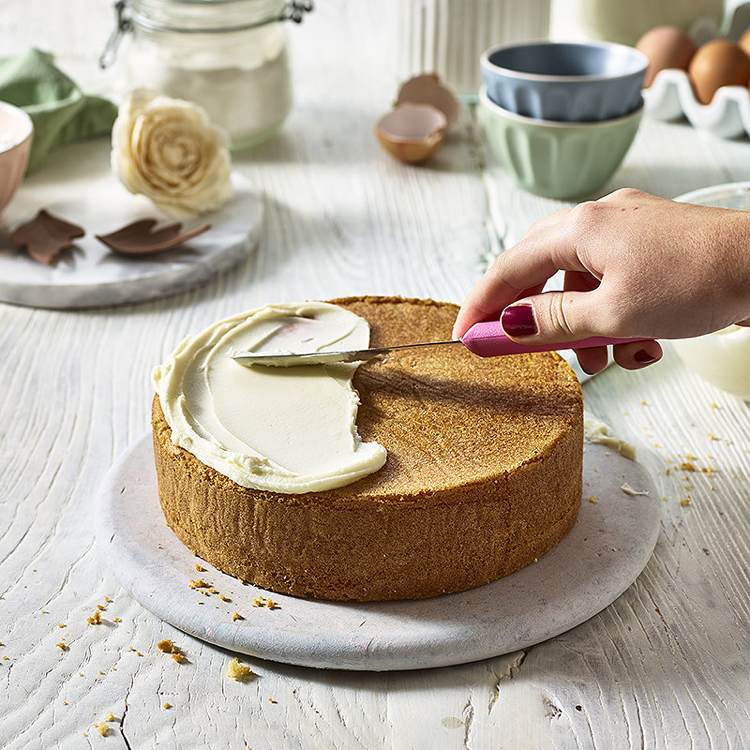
column 565, row 82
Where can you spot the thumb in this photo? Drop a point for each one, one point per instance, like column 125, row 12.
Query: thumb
column 554, row 317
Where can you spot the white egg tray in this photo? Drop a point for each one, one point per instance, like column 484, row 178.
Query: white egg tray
column 671, row 96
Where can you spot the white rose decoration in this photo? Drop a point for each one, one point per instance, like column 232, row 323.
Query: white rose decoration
column 168, row 150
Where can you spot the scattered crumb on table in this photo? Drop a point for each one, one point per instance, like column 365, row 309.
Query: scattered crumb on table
column 199, row 583
column 238, row 671
column 168, row 646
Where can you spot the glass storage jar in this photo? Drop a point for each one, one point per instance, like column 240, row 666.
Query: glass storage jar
column 229, row 56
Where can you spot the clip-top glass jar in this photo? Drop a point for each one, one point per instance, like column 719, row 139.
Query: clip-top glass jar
column 229, row 56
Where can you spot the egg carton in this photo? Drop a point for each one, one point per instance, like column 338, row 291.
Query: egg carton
column 671, row 96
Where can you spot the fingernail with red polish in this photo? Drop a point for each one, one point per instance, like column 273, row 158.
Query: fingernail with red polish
column 518, row 320
column 644, row 357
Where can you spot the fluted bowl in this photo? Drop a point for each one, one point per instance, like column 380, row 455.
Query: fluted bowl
column 563, row 160
column 569, row 82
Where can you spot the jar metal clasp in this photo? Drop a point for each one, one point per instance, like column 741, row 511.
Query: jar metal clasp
column 294, row 11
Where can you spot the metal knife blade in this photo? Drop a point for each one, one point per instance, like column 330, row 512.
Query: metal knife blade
column 248, row 359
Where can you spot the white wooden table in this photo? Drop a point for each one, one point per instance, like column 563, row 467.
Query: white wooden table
column 666, row 666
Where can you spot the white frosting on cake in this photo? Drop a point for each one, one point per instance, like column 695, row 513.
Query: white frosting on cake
column 289, row 429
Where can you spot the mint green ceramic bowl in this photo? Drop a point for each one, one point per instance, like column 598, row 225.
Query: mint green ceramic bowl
column 562, row 160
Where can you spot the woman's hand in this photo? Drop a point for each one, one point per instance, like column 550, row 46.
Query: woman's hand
column 635, row 266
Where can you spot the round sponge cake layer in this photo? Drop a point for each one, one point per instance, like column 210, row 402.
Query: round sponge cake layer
column 483, row 476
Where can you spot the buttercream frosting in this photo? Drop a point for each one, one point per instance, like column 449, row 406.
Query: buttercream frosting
column 289, row 429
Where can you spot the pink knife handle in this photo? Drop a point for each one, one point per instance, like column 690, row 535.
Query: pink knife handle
column 488, row 340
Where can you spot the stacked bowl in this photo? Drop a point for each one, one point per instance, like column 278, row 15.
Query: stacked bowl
column 561, row 116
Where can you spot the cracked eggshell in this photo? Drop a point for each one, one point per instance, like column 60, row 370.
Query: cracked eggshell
column 412, row 132
column 428, row 89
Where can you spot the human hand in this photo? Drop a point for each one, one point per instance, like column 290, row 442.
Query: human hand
column 635, row 266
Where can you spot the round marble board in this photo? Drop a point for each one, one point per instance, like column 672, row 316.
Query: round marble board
column 603, row 554
column 78, row 185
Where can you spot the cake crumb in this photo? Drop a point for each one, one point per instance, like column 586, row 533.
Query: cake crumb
column 238, row 671
column 95, row 619
column 237, row 616
column 117, row 619
column 628, row 490
column 593, row 499
column 688, row 466
column 199, row 583
column 224, row 598
column 108, row 599
column 62, row 646
column 713, row 405
column 271, row 604
column 61, row 625
column 102, row 728
column 65, row 703
column 110, row 717
column 199, row 568
column 168, row 646
column 713, row 437
column 101, row 607
column 686, row 501
column 167, row 706
column 272, row 700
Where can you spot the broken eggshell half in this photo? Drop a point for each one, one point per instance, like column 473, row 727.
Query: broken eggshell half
column 428, row 89
column 412, row 132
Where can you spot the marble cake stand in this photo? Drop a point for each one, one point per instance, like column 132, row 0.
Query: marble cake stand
column 78, row 185
column 601, row 557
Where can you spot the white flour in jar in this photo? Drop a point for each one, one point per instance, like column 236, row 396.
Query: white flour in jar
column 244, row 84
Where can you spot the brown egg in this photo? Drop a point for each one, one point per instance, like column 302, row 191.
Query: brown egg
column 665, row 47
column 744, row 42
column 412, row 132
column 718, row 63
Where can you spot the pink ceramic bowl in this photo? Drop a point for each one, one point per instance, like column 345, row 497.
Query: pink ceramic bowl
column 16, row 130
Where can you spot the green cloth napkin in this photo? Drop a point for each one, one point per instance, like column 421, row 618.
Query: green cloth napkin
column 61, row 112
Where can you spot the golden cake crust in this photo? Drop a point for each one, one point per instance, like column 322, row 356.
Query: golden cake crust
column 483, row 476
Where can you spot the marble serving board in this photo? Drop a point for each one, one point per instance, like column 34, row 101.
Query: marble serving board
column 78, row 185
column 600, row 558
